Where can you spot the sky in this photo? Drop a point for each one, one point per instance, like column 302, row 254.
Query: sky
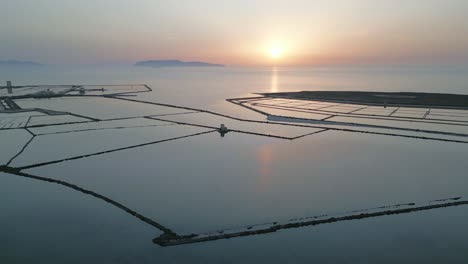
column 240, row 32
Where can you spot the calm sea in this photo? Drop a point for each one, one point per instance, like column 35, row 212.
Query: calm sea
column 207, row 182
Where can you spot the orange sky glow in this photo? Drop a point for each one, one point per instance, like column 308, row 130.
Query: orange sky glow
column 257, row 32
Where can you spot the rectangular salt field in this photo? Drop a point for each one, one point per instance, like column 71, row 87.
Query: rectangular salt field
column 88, row 142
column 408, row 114
column 214, row 121
column 20, row 114
column 449, row 112
column 311, row 105
column 451, row 118
column 99, row 107
column 55, row 119
column 14, row 122
column 353, row 106
column 257, row 180
column 455, row 128
column 412, row 109
column 339, row 109
column 101, row 125
column 236, row 110
column 17, row 119
column 296, row 102
column 269, row 101
column 371, row 112
column 291, row 113
column 375, row 111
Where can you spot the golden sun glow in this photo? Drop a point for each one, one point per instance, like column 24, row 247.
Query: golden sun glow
column 276, row 52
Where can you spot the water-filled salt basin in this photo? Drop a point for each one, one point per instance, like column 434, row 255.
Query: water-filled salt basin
column 242, row 179
column 49, row 222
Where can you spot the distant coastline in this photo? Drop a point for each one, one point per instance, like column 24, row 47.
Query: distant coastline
column 19, row 63
column 175, row 63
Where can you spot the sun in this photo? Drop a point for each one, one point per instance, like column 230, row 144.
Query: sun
column 276, row 52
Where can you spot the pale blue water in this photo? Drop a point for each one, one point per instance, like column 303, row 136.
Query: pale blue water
column 207, row 182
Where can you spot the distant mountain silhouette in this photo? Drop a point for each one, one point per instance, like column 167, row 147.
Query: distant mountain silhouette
column 18, row 63
column 175, row 63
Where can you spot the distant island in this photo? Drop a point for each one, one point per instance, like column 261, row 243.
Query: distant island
column 18, row 63
column 175, row 63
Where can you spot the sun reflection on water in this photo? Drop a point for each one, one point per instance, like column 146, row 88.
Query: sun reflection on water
column 274, row 80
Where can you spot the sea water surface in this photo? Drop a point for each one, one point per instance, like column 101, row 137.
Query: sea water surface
column 206, row 183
